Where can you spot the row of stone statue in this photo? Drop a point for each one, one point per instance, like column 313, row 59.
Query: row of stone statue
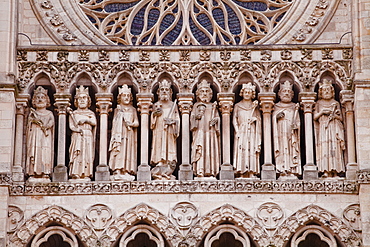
column 205, row 125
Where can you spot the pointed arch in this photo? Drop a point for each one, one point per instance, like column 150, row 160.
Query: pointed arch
column 142, row 212
column 40, row 74
column 208, row 70
column 117, row 72
column 339, row 72
column 234, row 215
column 252, row 69
column 53, row 214
column 315, row 213
column 278, row 70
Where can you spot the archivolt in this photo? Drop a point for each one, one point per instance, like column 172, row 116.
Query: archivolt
column 315, row 213
column 53, row 214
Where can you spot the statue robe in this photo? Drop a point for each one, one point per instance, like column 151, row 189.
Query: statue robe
column 82, row 148
column 123, row 144
column 164, row 136
column 40, row 143
column 286, row 131
column 206, row 147
column 247, row 142
column 329, row 136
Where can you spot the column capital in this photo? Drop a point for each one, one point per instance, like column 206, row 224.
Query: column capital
column 267, row 101
column 145, row 102
column 104, row 102
column 307, row 100
column 185, row 102
column 62, row 101
column 21, row 103
column 226, row 101
column 347, row 98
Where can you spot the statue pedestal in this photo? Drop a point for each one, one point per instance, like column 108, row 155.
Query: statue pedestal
column 60, row 174
column 185, row 172
column 102, row 173
column 143, row 173
column 17, row 174
column 351, row 170
column 310, row 172
column 227, row 172
column 268, row 172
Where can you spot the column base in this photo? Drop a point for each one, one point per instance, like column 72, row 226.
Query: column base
column 60, row 174
column 351, row 170
column 143, row 173
column 186, row 172
column 227, row 172
column 102, row 173
column 268, row 172
column 17, row 174
column 310, row 172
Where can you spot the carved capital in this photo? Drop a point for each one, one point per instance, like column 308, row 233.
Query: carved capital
column 21, row 104
column 145, row 102
column 226, row 102
column 347, row 99
column 307, row 100
column 185, row 102
column 104, row 102
column 267, row 101
column 62, row 101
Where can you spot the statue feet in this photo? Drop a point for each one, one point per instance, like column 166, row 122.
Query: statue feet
column 118, row 175
column 39, row 179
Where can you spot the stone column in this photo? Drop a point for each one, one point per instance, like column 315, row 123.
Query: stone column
column 226, row 101
column 18, row 170
column 267, row 104
column 347, row 100
column 185, row 105
column 145, row 102
column 307, row 100
column 61, row 103
column 104, row 103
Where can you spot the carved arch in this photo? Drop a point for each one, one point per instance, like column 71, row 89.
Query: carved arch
column 116, row 73
column 340, row 73
column 53, row 214
column 163, row 75
column 315, row 213
column 211, row 69
column 286, row 67
column 256, row 72
column 76, row 72
column 234, row 215
column 31, row 75
column 142, row 212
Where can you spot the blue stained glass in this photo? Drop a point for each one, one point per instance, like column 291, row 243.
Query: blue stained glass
column 273, row 8
column 237, row 40
column 166, row 23
column 280, row 17
column 233, row 23
column 111, row 23
column 138, row 22
column 156, row 4
column 98, row 9
column 196, row 10
column 173, row 34
column 254, row 29
column 256, row 6
column 198, row 34
column 99, row 1
column 260, row 22
column 153, row 41
column 134, row 40
column 218, row 15
column 153, row 18
column 145, row 39
column 215, row 3
column 218, row 41
column 118, row 29
column 227, row 39
column 116, row 7
column 91, row 19
column 205, row 22
column 200, row 2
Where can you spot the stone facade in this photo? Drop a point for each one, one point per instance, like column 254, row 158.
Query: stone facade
column 83, row 52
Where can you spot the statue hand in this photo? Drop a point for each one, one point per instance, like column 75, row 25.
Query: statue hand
column 81, row 121
column 326, row 111
column 280, row 115
column 294, row 126
column 158, row 112
column 169, row 121
column 198, row 116
column 213, row 121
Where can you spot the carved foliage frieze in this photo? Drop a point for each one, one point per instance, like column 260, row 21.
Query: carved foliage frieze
column 15, row 217
column 352, row 215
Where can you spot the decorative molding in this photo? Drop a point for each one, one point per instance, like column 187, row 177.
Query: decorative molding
column 15, row 218
column 352, row 215
column 315, row 213
column 6, row 179
column 99, row 216
column 363, row 176
column 184, row 214
column 257, row 186
column 270, row 215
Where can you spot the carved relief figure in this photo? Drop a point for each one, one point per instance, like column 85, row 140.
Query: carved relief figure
column 165, row 123
column 248, row 133
column 205, row 126
column 40, row 136
column 123, row 143
column 329, row 132
column 82, row 122
column 286, row 131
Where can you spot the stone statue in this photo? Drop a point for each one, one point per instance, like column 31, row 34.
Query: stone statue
column 248, row 134
column 205, row 126
column 286, row 132
column 82, row 122
column 165, row 123
column 123, row 143
column 40, row 136
column 329, row 132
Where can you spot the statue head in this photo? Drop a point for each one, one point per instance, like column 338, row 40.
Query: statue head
column 248, row 91
column 82, row 98
column 124, row 95
column 164, row 91
column 326, row 89
column 286, row 92
column 40, row 98
column 204, row 92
